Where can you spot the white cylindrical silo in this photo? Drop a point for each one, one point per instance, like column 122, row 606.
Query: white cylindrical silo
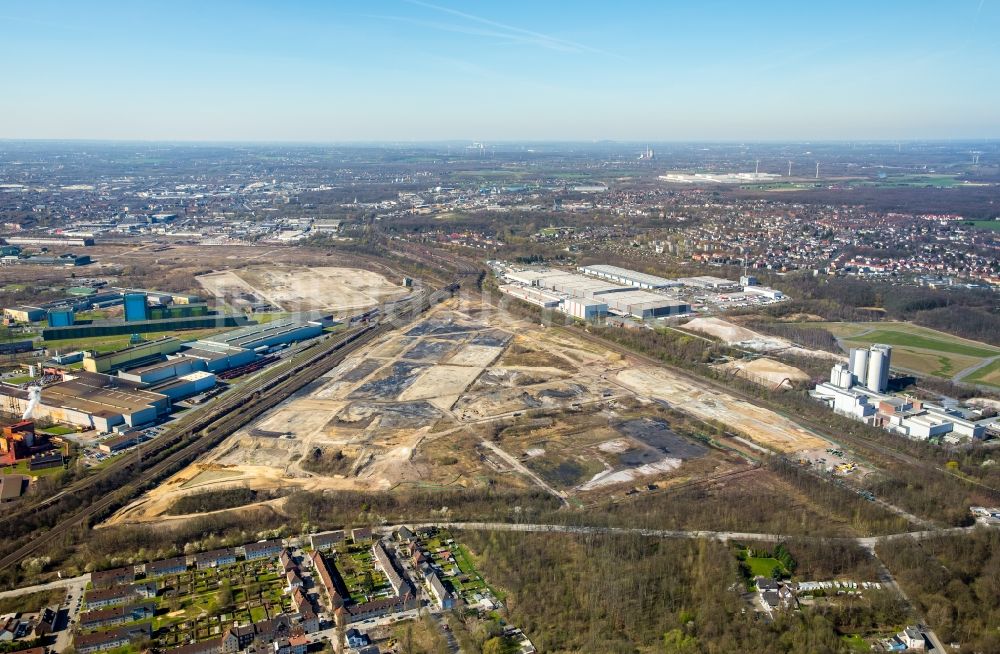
column 859, row 365
column 845, row 377
column 878, row 368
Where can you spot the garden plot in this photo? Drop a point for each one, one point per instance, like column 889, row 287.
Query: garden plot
column 200, row 604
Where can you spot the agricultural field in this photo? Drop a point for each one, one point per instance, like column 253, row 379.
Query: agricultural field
column 918, row 349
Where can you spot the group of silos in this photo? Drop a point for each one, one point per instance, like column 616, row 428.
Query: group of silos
column 870, row 367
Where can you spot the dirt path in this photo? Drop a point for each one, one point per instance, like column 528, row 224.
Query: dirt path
column 520, row 467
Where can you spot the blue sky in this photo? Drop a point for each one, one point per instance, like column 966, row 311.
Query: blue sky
column 414, row 70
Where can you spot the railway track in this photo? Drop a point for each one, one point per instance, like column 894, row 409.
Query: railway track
column 809, row 424
column 200, row 432
column 178, row 429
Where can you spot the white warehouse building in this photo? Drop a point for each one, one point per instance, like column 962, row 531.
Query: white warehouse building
column 585, row 309
column 629, row 277
column 533, row 295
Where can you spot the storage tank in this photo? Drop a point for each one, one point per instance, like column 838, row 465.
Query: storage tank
column 846, row 378
column 859, row 365
column 878, row 368
column 840, row 375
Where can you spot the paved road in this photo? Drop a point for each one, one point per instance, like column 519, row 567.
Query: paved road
column 973, row 368
column 61, row 583
column 76, row 585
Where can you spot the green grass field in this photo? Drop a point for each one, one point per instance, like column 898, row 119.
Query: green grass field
column 761, row 566
column 904, row 339
column 856, row 643
column 989, row 375
column 922, row 350
column 117, row 342
column 984, row 224
column 21, row 468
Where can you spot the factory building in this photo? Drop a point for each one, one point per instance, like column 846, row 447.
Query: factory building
column 136, row 309
column 218, row 357
column 644, row 305
column 844, row 401
column 113, row 328
column 41, row 240
column 61, row 317
column 624, row 300
column 159, row 371
column 527, row 277
column 278, row 332
column 857, row 390
column 178, row 311
column 89, row 400
column 121, row 441
column 130, row 356
column 184, row 386
column 629, row 277
column 25, row 313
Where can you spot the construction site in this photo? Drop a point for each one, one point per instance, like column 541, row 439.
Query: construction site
column 469, row 396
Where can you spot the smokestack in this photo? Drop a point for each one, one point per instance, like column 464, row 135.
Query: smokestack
column 35, row 396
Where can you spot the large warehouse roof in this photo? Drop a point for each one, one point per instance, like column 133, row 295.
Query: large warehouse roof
column 630, row 276
column 99, row 394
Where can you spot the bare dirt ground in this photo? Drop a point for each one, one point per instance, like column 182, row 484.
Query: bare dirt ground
column 766, row 372
column 418, row 407
column 738, row 336
column 761, row 425
column 296, row 288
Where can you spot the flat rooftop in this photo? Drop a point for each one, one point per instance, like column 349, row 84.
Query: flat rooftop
column 99, row 395
column 625, row 273
column 137, row 346
column 248, row 335
column 708, row 281
column 160, row 365
column 183, row 380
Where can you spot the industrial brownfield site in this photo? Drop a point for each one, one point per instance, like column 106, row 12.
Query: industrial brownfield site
column 471, row 395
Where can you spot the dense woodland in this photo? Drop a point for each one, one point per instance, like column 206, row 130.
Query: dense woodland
column 966, row 313
column 628, row 594
column 955, row 581
column 207, row 501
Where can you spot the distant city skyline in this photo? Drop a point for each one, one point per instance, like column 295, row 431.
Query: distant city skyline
column 415, row 71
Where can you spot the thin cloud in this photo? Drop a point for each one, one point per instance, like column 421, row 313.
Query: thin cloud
column 517, row 33
column 462, row 29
